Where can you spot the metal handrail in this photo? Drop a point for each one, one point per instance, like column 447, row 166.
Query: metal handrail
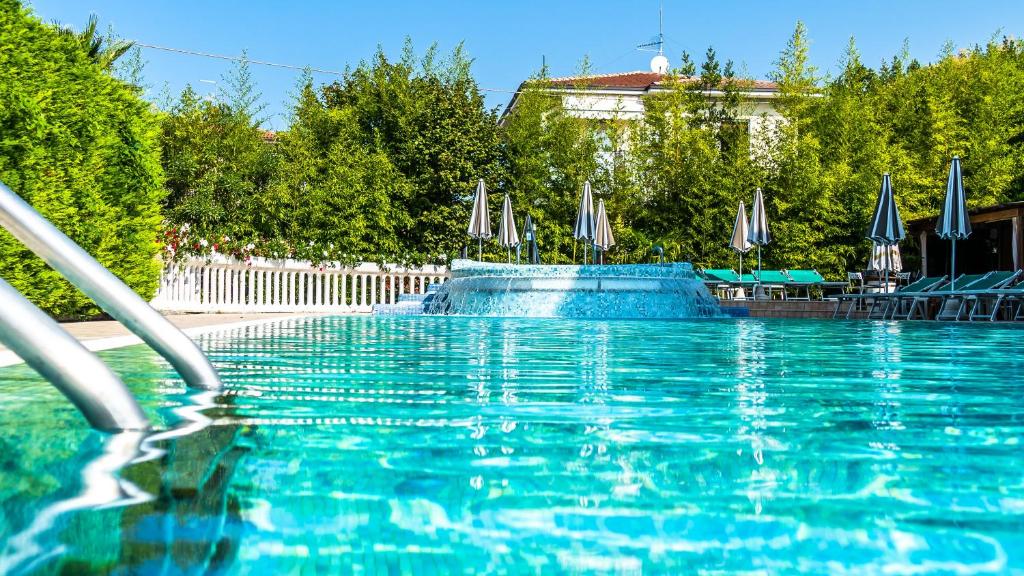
column 112, row 295
column 90, row 385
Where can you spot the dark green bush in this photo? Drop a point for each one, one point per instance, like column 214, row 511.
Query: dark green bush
column 82, row 147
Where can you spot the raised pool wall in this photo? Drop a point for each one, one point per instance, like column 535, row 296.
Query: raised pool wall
column 556, row 291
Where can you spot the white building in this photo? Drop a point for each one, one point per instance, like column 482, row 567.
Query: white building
column 621, row 96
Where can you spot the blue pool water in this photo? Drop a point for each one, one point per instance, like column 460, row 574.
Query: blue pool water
column 454, row 445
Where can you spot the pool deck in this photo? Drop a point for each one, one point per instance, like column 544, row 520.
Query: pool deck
column 106, row 334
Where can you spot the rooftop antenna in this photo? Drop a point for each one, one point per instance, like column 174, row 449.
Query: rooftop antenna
column 659, row 63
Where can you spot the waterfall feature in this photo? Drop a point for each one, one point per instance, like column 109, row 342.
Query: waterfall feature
column 613, row 291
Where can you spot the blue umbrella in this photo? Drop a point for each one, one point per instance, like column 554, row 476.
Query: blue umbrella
column 886, row 226
column 954, row 223
column 530, row 238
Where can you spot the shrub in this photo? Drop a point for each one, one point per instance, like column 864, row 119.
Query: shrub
column 82, row 148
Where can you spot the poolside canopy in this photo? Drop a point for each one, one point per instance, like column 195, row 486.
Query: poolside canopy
column 585, row 228
column 886, row 226
column 954, row 223
column 758, row 234
column 739, row 242
column 507, row 235
column 480, row 221
column 603, row 238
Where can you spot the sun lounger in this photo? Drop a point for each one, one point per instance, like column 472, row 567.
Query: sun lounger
column 1012, row 295
column 710, row 281
column 725, row 280
column 776, row 280
column 919, row 301
column 881, row 302
column 962, row 302
column 807, row 279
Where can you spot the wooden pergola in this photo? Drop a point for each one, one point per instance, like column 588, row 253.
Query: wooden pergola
column 996, row 243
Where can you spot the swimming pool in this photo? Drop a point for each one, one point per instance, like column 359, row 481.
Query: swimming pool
column 425, row 445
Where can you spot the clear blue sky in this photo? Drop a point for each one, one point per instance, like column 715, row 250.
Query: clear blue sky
column 508, row 39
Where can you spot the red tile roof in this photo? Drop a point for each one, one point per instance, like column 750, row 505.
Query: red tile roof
column 638, row 80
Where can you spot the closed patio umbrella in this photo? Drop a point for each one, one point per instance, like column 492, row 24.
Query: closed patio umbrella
column 585, row 227
column 885, row 258
column 757, row 233
column 507, row 235
column 886, row 226
column 954, row 223
column 739, row 242
column 603, row 238
column 530, row 237
column 480, row 221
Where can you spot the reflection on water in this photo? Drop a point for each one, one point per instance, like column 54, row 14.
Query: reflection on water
column 439, row 445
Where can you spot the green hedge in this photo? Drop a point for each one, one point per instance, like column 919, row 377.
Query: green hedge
column 82, row 147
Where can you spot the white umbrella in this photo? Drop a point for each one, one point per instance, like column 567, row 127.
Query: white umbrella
column 507, row 235
column 739, row 242
column 585, row 227
column 603, row 238
column 758, row 234
column 954, row 223
column 479, row 221
column 885, row 258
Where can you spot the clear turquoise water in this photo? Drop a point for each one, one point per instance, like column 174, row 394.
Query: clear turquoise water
column 453, row 445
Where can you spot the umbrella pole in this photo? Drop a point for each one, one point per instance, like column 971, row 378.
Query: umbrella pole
column 759, row 290
column 888, row 263
column 952, row 271
column 741, row 265
column 480, row 249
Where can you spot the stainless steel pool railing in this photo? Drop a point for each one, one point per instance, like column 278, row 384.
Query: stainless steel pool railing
column 82, row 377
column 112, row 295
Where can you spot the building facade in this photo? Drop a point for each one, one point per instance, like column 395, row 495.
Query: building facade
column 621, row 96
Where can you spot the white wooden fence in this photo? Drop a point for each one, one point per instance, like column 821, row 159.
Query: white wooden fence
column 223, row 284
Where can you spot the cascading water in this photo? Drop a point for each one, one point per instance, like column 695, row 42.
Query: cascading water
column 613, row 291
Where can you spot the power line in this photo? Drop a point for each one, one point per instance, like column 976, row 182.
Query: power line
column 273, row 64
column 238, row 59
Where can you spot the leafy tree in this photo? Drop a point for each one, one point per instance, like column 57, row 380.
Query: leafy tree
column 82, row 148
column 104, row 51
column 432, row 125
column 217, row 163
column 241, row 95
column 331, row 193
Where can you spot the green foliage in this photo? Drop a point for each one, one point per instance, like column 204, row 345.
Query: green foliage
column 547, row 156
column 333, row 192
column 81, row 147
column 104, row 51
column 430, row 122
column 217, row 165
column 904, row 118
column 379, row 166
column 382, row 164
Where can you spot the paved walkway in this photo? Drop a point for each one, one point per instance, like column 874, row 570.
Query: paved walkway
column 110, row 328
column 104, row 334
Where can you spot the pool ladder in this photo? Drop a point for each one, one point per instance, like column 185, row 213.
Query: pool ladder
column 79, row 374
